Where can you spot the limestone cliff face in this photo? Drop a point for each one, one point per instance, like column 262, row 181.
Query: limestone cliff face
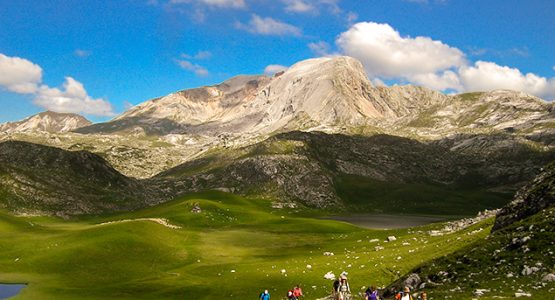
column 46, row 122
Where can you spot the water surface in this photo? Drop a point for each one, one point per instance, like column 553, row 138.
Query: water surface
column 10, row 290
column 384, row 221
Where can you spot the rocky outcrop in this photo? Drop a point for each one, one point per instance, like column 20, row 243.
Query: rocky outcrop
column 535, row 197
column 48, row 122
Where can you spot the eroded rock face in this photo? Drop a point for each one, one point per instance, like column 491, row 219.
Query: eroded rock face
column 533, row 198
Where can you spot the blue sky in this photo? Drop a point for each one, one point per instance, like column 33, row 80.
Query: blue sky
column 98, row 57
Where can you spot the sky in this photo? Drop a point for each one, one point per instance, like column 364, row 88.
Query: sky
column 98, row 58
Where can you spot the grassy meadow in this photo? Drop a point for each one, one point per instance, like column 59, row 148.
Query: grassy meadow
column 233, row 249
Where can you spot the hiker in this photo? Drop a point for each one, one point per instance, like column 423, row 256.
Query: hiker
column 404, row 295
column 290, row 295
column 297, row 292
column 335, row 288
column 343, row 291
column 265, row 295
column 423, row 296
column 371, row 294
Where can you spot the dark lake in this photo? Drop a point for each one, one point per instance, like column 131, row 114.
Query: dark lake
column 383, row 221
column 10, row 290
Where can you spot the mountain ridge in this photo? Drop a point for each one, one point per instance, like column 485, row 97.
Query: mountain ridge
column 47, row 121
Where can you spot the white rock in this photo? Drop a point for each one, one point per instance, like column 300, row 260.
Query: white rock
column 518, row 295
column 549, row 277
column 329, row 276
column 391, row 238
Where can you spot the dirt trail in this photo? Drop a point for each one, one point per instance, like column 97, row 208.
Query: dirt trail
column 160, row 221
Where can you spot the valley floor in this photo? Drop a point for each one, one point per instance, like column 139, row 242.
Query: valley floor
column 233, row 249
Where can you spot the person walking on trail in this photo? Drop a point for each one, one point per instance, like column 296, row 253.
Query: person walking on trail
column 297, row 292
column 371, row 294
column 265, row 295
column 343, row 291
column 335, row 288
column 404, row 295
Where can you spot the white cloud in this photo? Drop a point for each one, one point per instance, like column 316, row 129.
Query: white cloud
column 448, row 80
column 268, row 26
column 424, row 61
column 19, row 75
column 24, row 77
column 215, row 3
column 73, row 98
column 187, row 65
column 298, row 6
column 320, row 48
column 483, row 76
column 82, row 53
column 385, row 53
column 199, row 56
column 272, row 69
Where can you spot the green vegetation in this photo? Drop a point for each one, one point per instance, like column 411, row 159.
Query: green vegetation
column 472, row 97
column 365, row 194
column 497, row 264
column 233, row 249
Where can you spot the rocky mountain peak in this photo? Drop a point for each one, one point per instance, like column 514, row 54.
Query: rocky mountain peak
column 47, row 121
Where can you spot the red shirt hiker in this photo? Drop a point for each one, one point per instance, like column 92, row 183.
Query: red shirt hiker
column 297, row 291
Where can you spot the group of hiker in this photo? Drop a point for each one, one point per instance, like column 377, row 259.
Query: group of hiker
column 342, row 291
column 293, row 294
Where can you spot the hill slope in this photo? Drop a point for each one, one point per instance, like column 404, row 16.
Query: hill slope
column 517, row 258
column 334, row 170
column 40, row 179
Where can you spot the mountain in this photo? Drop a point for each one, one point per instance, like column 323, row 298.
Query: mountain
column 320, row 135
column 516, row 259
column 47, row 121
column 38, row 179
column 322, row 92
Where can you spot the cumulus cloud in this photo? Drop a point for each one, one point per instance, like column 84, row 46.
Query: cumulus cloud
column 384, row 52
column 189, row 66
column 272, row 69
column 215, row 3
column 19, row 75
column 488, row 75
column 424, row 61
column 73, row 98
column 268, row 26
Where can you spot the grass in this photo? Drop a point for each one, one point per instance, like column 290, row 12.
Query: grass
column 234, row 249
column 496, row 263
column 365, row 194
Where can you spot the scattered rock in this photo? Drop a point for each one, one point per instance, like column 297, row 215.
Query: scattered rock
column 413, row 281
column 329, row 276
column 549, row 277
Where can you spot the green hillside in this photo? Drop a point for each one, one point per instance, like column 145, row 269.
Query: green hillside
column 234, row 248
